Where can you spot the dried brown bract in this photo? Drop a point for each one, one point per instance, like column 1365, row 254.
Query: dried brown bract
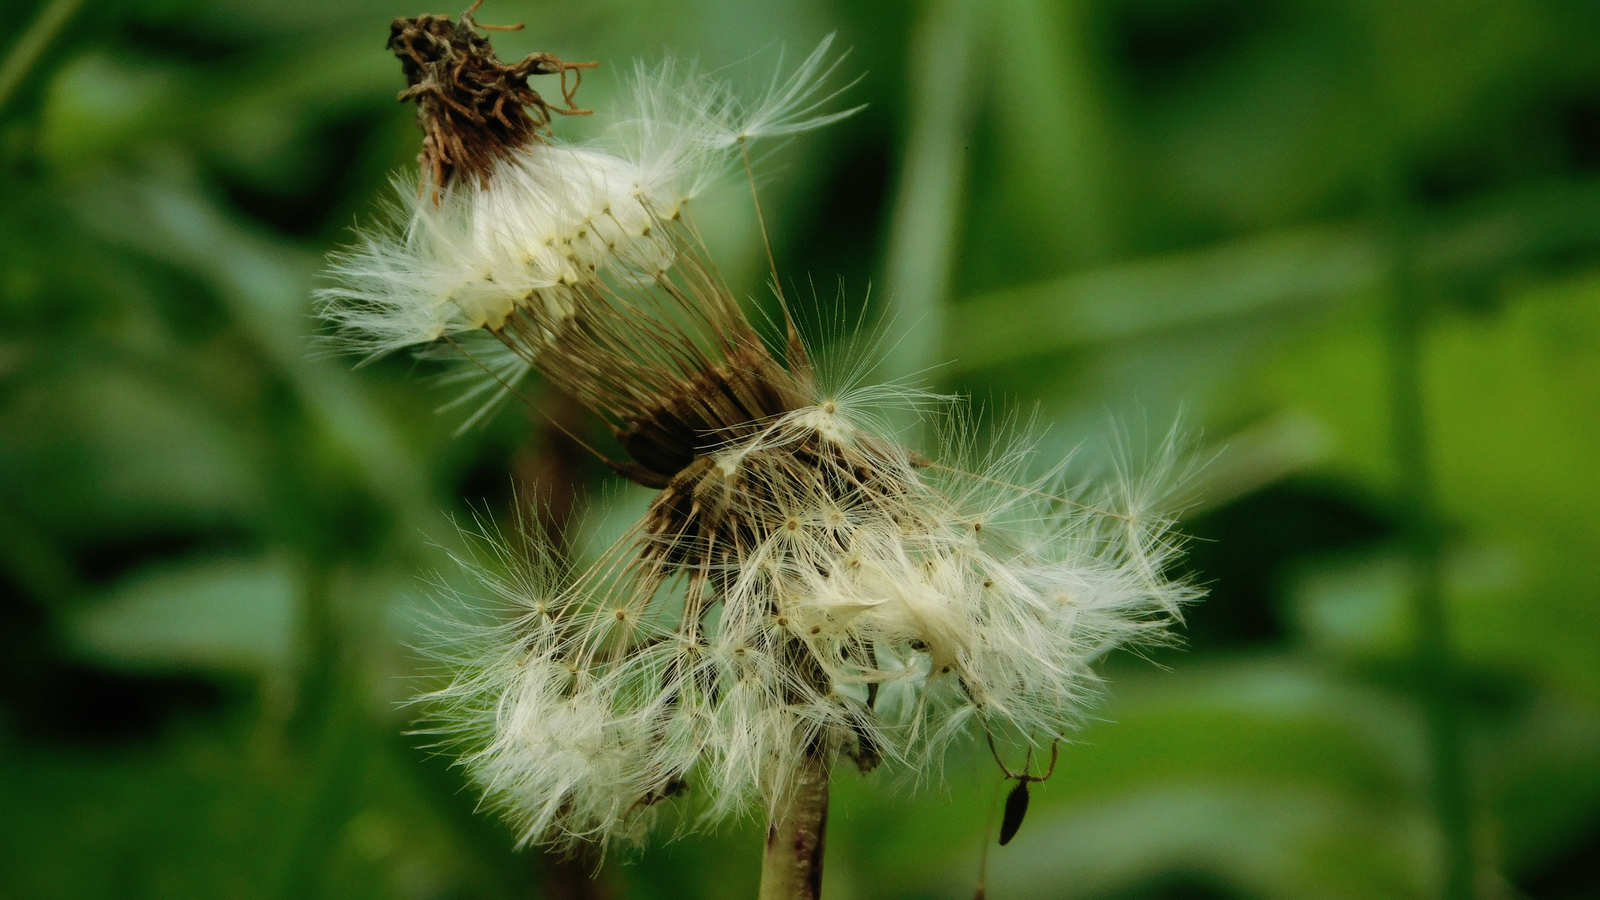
column 473, row 108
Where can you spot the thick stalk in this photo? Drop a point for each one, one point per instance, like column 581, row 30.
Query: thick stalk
column 792, row 866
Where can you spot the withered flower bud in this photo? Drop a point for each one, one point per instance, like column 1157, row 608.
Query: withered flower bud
column 473, row 108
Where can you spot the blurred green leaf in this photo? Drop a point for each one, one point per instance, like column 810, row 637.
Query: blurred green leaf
column 102, row 449
column 229, row 614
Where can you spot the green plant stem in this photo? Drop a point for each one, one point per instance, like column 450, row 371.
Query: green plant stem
column 31, row 45
column 791, row 868
column 945, row 86
column 1434, row 656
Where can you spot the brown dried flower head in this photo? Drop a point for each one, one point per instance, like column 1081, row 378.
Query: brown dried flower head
column 473, row 108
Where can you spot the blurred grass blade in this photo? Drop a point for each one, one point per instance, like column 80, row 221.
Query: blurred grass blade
column 1122, row 300
column 28, row 48
column 944, row 94
column 1053, row 133
column 224, row 613
column 1423, row 536
column 1246, row 277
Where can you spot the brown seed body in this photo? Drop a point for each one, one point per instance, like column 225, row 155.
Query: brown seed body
column 1016, row 809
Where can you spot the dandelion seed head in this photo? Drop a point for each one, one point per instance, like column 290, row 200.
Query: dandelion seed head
column 801, row 584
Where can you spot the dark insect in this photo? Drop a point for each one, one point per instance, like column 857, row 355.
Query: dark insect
column 1017, row 800
column 1016, row 808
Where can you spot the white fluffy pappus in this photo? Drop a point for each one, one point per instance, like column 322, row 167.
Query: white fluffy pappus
column 830, row 590
column 445, row 260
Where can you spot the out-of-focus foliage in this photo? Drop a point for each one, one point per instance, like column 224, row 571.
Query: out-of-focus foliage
column 211, row 533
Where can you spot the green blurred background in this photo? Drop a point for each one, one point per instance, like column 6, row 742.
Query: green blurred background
column 1355, row 245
